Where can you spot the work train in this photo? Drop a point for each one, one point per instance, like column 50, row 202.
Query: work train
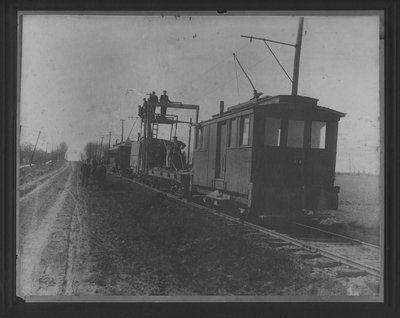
column 268, row 155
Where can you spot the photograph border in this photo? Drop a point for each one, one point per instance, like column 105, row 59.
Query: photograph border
column 14, row 306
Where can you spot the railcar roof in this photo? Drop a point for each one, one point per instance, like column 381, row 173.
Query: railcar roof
column 116, row 147
column 278, row 99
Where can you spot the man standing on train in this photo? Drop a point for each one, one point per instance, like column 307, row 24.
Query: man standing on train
column 177, row 153
column 143, row 109
column 153, row 101
column 164, row 101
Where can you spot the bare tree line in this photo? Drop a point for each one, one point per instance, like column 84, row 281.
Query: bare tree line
column 39, row 156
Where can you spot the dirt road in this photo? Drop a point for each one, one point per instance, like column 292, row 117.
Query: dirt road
column 47, row 222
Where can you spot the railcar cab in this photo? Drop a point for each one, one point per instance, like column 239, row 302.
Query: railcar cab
column 273, row 154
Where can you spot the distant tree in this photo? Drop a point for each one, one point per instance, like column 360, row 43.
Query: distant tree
column 25, row 153
column 59, row 153
column 63, row 147
column 90, row 149
column 40, row 156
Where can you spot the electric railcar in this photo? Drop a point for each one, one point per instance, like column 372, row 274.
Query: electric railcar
column 271, row 154
column 118, row 157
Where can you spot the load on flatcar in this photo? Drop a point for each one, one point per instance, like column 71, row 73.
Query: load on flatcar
column 162, row 161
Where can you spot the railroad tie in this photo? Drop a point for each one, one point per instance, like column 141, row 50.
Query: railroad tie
column 325, row 263
column 278, row 243
column 350, row 273
column 307, row 255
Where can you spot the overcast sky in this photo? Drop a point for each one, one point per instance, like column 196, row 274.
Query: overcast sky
column 81, row 74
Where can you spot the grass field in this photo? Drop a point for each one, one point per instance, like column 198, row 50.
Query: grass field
column 29, row 174
column 360, row 212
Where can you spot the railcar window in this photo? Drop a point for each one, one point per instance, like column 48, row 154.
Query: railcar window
column 244, row 130
column 199, row 137
column 233, row 133
column 272, row 133
column 205, row 137
column 295, row 133
column 318, row 134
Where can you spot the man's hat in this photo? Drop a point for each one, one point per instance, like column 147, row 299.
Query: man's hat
column 164, row 91
column 175, row 137
column 154, row 92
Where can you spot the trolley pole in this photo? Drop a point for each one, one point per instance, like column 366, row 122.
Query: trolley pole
column 109, row 140
column 34, row 149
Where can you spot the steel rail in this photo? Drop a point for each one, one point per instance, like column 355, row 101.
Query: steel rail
column 345, row 260
column 339, row 235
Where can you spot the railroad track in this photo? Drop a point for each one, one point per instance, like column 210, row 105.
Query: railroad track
column 342, row 250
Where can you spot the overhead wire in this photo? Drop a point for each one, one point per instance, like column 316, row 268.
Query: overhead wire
column 189, row 84
column 228, row 81
column 132, row 127
column 278, row 61
column 201, row 92
column 213, row 67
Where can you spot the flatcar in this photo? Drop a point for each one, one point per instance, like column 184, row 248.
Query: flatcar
column 151, row 156
column 270, row 154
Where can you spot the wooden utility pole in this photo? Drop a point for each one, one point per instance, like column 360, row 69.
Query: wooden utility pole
column 122, row 130
column 109, row 140
column 146, row 138
column 297, row 46
column 296, row 66
column 45, row 153
column 34, row 149
column 101, row 146
column 190, row 138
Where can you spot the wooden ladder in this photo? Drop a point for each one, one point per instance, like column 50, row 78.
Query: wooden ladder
column 155, row 130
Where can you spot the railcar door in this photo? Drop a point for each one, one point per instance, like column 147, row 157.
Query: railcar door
column 221, row 150
column 293, row 174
